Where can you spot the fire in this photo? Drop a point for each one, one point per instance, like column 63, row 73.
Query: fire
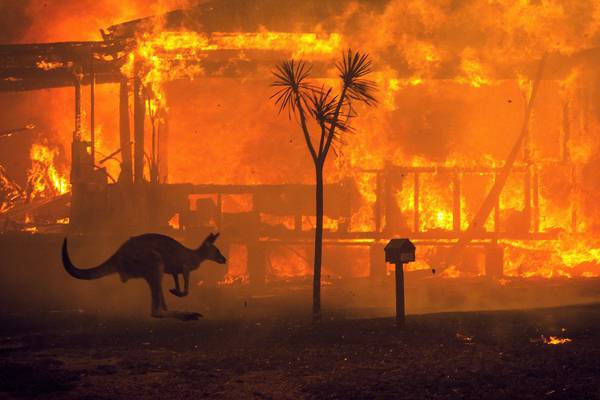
column 288, row 263
column 451, row 272
column 166, row 56
column 48, row 65
column 301, row 44
column 237, row 266
column 445, row 102
column 555, row 340
column 570, row 255
column 174, row 222
column 44, row 179
column 473, row 72
column 9, row 190
column 435, row 209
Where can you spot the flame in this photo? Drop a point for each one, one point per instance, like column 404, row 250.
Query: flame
column 570, row 255
column 473, row 72
column 10, row 192
column 237, row 266
column 174, row 222
column 44, row 180
column 288, row 263
column 450, row 97
column 555, row 340
column 451, row 272
column 48, row 65
column 165, row 56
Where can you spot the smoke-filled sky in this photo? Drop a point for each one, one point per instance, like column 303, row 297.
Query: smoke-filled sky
column 31, row 21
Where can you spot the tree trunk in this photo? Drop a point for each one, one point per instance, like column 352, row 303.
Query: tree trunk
column 318, row 242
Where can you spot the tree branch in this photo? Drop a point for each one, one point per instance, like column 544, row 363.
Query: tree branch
column 309, row 144
column 322, row 141
column 331, row 132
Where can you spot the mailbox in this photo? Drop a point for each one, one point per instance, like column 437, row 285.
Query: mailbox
column 399, row 251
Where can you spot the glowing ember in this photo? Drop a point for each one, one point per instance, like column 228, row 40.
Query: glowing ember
column 48, row 65
column 10, row 192
column 555, row 340
column 174, row 222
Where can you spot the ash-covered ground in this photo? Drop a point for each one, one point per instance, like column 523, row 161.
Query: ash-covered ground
column 78, row 354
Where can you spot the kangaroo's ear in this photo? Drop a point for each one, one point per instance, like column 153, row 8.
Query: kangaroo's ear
column 210, row 239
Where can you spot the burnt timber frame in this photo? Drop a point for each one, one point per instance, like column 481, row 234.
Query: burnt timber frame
column 72, row 64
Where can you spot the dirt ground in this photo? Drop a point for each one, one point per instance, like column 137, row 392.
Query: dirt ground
column 480, row 355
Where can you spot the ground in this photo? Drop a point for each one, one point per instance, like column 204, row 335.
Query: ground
column 480, row 355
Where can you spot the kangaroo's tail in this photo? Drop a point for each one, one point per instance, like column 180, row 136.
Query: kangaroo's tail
column 103, row 269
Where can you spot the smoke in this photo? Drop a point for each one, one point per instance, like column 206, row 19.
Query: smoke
column 35, row 21
column 14, row 20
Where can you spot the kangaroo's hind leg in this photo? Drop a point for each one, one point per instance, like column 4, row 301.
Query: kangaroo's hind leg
column 154, row 274
column 159, row 305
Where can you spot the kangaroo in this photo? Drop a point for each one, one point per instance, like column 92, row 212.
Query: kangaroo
column 150, row 256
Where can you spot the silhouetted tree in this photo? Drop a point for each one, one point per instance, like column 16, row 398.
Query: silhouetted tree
column 331, row 114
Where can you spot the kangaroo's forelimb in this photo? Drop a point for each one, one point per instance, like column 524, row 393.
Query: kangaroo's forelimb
column 186, row 283
column 177, row 290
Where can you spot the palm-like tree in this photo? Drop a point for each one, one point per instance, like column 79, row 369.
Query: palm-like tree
column 331, row 113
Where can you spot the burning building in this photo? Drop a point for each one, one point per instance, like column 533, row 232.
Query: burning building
column 483, row 149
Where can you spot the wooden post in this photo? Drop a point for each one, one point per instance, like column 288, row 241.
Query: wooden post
column 75, row 145
column 456, row 202
column 124, row 135
column 497, row 210
column 92, row 111
column 400, row 294
column 163, row 146
column 77, row 131
column 391, row 216
column 527, row 199
column 139, row 114
column 416, row 222
column 400, row 252
column 378, row 200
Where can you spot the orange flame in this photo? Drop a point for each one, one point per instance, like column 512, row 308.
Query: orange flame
column 44, row 179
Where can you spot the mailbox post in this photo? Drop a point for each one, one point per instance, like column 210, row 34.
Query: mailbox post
column 400, row 252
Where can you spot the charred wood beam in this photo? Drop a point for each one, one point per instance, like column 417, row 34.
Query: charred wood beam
column 47, row 51
column 24, row 74
column 124, row 134
column 442, row 169
column 92, row 111
column 10, row 132
column 434, row 238
column 60, row 81
column 34, row 72
column 139, row 115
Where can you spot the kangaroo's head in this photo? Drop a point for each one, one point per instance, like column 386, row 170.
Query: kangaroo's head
column 210, row 251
